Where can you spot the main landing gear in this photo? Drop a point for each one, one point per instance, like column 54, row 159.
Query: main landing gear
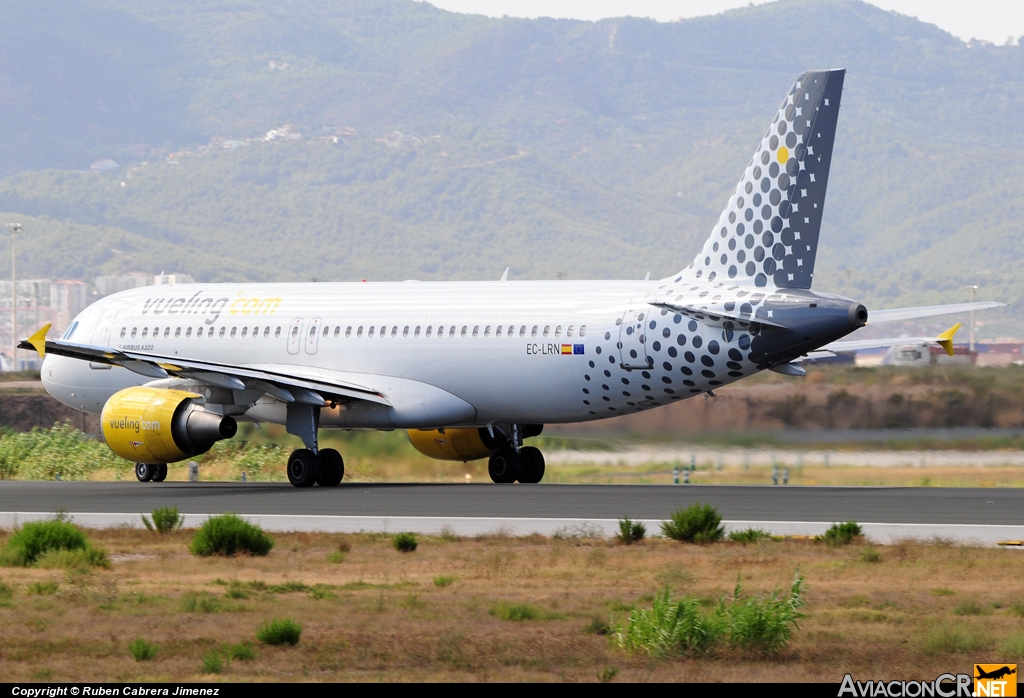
column 325, row 468
column 151, row 472
column 512, row 462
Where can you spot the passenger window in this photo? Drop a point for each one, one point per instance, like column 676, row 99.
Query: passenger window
column 476, row 330
column 416, row 333
column 547, row 330
column 583, row 330
column 199, row 332
column 134, row 330
column 394, row 331
column 327, row 330
column 558, row 331
column 568, row 332
column 359, row 332
column 451, row 331
column 277, row 332
column 123, row 330
column 405, row 332
column 522, row 331
column 533, row 333
column 245, row 331
column 266, row 332
column 497, row 331
column 177, row 332
column 156, row 332
column 512, row 330
column 145, row 331
column 222, row 329
column 188, row 333
column 233, row 330
column 337, row 331
column 295, row 331
column 465, row 330
column 255, row 332
column 348, row 331
column 440, row 330
column 312, row 331
column 430, row 329
column 373, row 328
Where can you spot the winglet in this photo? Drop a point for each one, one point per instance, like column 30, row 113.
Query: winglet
column 38, row 340
column 945, row 340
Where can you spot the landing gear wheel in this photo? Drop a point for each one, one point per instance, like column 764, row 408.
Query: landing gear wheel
column 302, row 468
column 503, row 467
column 160, row 472
column 332, row 468
column 144, row 471
column 532, row 465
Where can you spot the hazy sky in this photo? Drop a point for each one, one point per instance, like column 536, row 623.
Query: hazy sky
column 991, row 20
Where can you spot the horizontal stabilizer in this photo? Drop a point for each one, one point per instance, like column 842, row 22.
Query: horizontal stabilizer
column 897, row 314
column 945, row 340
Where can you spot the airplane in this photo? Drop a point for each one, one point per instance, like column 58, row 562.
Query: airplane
column 472, row 369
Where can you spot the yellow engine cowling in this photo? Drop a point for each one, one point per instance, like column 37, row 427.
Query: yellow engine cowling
column 157, row 425
column 453, row 444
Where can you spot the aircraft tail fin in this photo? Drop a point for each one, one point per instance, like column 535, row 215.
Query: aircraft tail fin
column 767, row 236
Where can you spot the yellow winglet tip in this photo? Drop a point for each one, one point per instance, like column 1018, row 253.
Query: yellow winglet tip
column 945, row 340
column 38, row 340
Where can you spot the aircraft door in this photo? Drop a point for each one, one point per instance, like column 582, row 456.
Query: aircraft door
column 295, row 336
column 313, row 335
column 633, row 338
column 105, row 333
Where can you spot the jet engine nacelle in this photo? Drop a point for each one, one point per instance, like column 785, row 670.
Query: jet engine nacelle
column 157, row 425
column 462, row 444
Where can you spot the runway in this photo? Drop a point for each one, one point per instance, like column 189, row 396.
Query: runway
column 982, row 515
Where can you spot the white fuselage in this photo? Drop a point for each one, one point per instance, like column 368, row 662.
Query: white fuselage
column 443, row 353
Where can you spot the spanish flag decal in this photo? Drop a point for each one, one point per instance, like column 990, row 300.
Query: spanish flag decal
column 567, row 349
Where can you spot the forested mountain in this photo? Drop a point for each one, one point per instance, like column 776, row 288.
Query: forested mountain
column 436, row 145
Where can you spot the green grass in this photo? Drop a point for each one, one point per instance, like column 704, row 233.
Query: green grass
column 142, row 650
column 870, row 555
column 165, row 520
column 684, row 626
column 404, row 542
column 700, row 523
column 955, row 640
column 201, row 603
column 229, row 534
column 842, row 534
column 279, row 631
column 54, row 543
column 42, row 588
column 970, row 607
column 630, row 532
column 212, row 663
column 444, row 580
column 243, row 651
column 750, row 535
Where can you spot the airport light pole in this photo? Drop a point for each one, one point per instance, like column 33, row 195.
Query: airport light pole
column 15, row 228
column 972, row 289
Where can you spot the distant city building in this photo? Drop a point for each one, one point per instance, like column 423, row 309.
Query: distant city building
column 172, row 279
column 104, row 165
column 69, row 298
column 106, row 285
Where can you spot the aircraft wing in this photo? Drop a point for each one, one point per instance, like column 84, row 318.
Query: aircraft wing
column 897, row 314
column 944, row 340
column 310, row 387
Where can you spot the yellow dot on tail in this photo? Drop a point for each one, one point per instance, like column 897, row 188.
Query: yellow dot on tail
column 783, row 154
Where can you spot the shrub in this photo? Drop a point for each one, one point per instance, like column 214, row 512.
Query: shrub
column 212, row 663
column 521, row 611
column 750, row 535
column 597, row 626
column 444, row 580
column 404, row 542
column 69, row 559
column 336, row 557
column 870, row 555
column 243, row 651
column 700, row 523
column 284, row 631
column 165, row 520
column 43, row 588
column 683, row 626
column 842, row 534
column 236, row 590
column 201, row 603
column 944, row 640
column 968, row 608
column 6, row 593
column 142, row 650
column 630, row 531
column 39, row 537
column 229, row 534
column 1017, row 609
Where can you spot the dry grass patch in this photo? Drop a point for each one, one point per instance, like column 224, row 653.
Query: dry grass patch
column 515, row 609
